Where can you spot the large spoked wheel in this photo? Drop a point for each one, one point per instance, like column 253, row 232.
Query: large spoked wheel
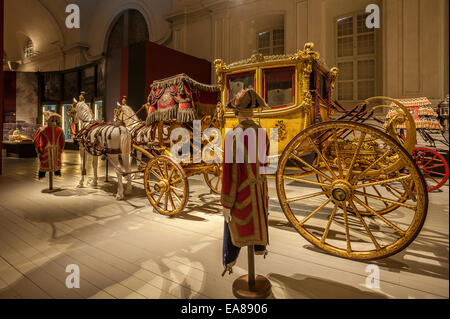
column 166, row 185
column 341, row 213
column 213, row 178
column 433, row 165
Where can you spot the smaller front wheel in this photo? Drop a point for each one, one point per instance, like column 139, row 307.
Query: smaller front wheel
column 166, row 185
column 213, row 178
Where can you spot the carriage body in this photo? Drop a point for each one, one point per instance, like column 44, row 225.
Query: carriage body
column 298, row 89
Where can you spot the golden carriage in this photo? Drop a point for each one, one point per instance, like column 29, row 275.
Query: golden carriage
column 367, row 199
column 174, row 103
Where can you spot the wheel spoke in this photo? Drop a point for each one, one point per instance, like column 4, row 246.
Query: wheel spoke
column 159, row 168
column 430, row 160
column 321, row 156
column 428, row 175
column 165, row 169
column 156, row 174
column 402, row 232
column 176, row 195
column 330, row 220
column 347, row 231
column 377, row 246
column 301, row 180
column 218, row 181
column 310, row 166
column 338, row 156
column 176, row 188
column 159, row 198
column 391, row 187
column 171, row 173
column 176, row 181
column 436, row 173
column 294, row 199
column 165, row 201
column 358, row 149
column 171, row 199
column 365, row 198
column 391, row 180
column 314, row 211
column 413, row 207
column 434, row 166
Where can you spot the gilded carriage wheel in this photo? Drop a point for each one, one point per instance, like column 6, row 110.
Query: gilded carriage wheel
column 166, row 185
column 350, row 151
column 213, row 178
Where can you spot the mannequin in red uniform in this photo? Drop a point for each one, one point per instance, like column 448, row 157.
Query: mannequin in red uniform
column 244, row 189
column 49, row 144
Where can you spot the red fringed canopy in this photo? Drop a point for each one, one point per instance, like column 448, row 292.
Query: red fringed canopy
column 181, row 98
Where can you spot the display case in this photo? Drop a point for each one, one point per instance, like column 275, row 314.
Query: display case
column 98, row 109
column 66, row 121
column 18, row 139
column 49, row 106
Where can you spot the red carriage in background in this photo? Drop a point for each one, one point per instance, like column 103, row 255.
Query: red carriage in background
column 432, row 155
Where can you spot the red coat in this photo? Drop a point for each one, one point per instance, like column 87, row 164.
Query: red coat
column 244, row 191
column 49, row 144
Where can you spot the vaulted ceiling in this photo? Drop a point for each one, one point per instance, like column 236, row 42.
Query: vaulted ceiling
column 43, row 21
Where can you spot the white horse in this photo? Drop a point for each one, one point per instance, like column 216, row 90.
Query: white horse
column 101, row 139
column 142, row 135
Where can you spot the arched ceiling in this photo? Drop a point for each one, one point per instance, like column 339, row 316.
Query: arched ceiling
column 43, row 21
column 33, row 19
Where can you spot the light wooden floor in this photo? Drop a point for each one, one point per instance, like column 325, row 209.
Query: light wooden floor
column 125, row 250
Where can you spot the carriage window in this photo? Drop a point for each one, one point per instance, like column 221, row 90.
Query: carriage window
column 323, row 87
column 239, row 82
column 279, row 87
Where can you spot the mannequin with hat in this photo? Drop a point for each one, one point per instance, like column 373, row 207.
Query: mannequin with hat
column 244, row 195
column 49, row 144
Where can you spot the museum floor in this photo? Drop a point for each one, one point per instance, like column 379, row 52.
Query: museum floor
column 126, row 250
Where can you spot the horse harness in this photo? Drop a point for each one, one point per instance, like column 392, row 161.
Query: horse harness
column 103, row 129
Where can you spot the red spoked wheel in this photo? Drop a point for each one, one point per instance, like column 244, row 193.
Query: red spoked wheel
column 433, row 165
